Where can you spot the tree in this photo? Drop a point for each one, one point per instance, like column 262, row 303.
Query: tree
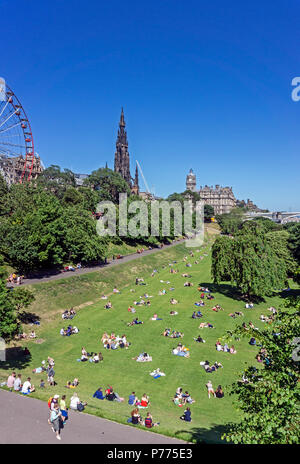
column 230, row 222
column 108, row 183
column 249, row 262
column 270, row 401
column 9, row 325
column 209, row 212
column 21, row 298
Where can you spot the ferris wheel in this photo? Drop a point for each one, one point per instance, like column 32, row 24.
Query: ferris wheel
column 16, row 138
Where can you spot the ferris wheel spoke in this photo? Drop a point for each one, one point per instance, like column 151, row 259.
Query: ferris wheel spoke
column 10, row 127
column 12, row 145
column 10, row 116
column 8, row 153
column 3, row 109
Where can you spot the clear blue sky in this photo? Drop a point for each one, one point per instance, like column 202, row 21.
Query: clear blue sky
column 203, row 84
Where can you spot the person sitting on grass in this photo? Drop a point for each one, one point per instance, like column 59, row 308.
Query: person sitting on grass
column 99, row 394
column 173, row 301
column 219, row 392
column 144, row 401
column 108, row 305
column 199, row 339
column 133, row 400
column 131, row 309
column 112, row 396
column 199, row 303
column 186, row 398
column 27, row 388
column 186, row 415
column 177, row 400
column 188, row 284
column 166, row 332
column 149, row 421
column 76, row 404
column 135, row 417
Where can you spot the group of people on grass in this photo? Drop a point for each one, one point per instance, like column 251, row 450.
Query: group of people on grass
column 58, row 409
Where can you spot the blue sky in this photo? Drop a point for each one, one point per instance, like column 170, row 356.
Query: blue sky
column 203, row 84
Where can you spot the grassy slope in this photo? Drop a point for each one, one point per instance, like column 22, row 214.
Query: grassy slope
column 118, row 369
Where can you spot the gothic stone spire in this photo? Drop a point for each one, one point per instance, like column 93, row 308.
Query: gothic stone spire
column 122, row 164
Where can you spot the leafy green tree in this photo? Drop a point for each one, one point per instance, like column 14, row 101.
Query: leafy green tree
column 56, row 181
column 249, row 262
column 21, row 298
column 231, row 222
column 9, row 325
column 209, row 212
column 108, row 183
column 294, row 239
column 270, row 399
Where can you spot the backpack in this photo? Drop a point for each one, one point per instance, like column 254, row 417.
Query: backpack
column 80, row 407
column 49, row 402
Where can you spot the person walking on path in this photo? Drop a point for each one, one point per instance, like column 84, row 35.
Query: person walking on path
column 55, row 419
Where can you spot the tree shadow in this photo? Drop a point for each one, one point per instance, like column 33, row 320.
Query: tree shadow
column 28, row 318
column 200, row 435
column 230, row 291
column 292, row 293
column 15, row 359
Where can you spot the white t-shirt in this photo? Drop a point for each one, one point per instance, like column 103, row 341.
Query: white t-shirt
column 26, row 386
column 17, row 384
column 74, row 402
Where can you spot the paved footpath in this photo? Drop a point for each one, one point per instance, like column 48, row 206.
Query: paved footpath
column 23, row 420
column 84, row 270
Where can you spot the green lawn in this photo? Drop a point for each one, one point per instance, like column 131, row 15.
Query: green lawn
column 209, row 417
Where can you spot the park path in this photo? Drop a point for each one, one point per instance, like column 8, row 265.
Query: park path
column 23, row 420
column 48, row 276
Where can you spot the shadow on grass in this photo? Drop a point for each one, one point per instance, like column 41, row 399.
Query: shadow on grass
column 28, row 318
column 230, row 292
column 15, row 359
column 204, row 436
column 292, row 293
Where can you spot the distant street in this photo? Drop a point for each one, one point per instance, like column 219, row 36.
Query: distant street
column 47, row 277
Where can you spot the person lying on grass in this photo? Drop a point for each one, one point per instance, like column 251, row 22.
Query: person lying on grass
column 155, row 318
column 108, row 305
column 188, row 284
column 173, row 301
column 199, row 303
column 199, row 339
column 205, row 325
column 135, row 322
column 236, row 314
column 186, row 275
column 173, row 313
column 208, row 368
column 217, row 308
column 197, row 315
column 143, row 357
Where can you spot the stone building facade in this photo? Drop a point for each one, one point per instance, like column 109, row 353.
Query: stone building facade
column 12, row 168
column 220, row 198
